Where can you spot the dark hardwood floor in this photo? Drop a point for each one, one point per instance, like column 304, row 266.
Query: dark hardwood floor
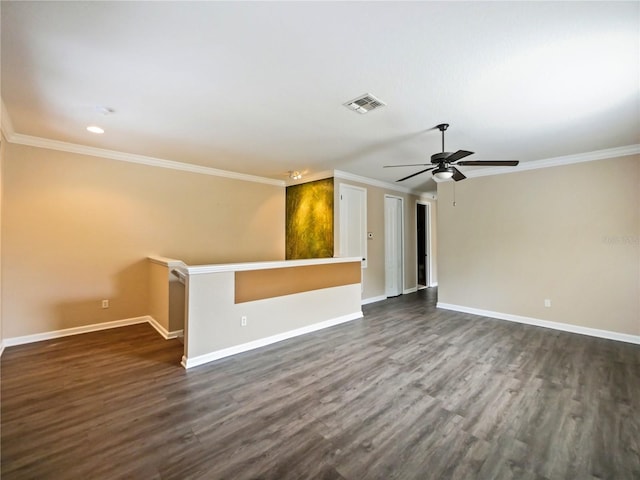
column 407, row 392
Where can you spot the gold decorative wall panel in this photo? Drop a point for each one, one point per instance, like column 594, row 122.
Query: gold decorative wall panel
column 309, row 220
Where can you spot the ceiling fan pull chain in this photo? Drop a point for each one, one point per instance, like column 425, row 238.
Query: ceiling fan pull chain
column 454, row 194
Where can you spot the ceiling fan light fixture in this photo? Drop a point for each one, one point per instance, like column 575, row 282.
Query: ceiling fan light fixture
column 443, row 173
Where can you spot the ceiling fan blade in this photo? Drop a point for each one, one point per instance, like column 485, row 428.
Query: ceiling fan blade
column 414, row 174
column 409, row 165
column 454, row 157
column 496, row 163
column 457, row 174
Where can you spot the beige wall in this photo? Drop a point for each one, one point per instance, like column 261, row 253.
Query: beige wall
column 77, row 229
column 569, row 234
column 374, row 274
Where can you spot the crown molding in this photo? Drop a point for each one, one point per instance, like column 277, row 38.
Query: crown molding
column 376, row 183
column 31, row 141
column 360, row 179
column 6, row 126
column 604, row 154
column 5, row 122
column 139, row 159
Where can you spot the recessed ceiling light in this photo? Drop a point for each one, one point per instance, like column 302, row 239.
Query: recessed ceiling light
column 95, row 129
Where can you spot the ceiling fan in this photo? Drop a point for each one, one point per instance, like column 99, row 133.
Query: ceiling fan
column 445, row 163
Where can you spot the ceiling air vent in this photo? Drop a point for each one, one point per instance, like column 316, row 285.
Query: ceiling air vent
column 364, row 103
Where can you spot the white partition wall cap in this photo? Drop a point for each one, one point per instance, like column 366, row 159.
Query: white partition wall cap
column 167, row 262
column 236, row 267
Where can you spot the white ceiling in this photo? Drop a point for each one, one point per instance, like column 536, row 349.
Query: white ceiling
column 258, row 88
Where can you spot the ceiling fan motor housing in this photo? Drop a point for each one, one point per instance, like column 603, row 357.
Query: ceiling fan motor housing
column 439, row 157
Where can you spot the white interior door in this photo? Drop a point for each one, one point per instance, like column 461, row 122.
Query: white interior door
column 393, row 245
column 353, row 222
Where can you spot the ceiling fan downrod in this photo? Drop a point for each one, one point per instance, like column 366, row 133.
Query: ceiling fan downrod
column 442, row 127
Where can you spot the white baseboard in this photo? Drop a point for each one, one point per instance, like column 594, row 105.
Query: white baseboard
column 38, row 337
column 379, row 298
column 564, row 327
column 1, row 347
column 167, row 335
column 263, row 342
column 96, row 327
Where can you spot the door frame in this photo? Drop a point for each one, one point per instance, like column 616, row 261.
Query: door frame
column 402, row 240
column 343, row 221
column 427, row 247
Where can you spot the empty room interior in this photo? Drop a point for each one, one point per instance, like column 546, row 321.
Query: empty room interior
column 320, row 240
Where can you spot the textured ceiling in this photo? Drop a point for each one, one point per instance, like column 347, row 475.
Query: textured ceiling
column 258, row 88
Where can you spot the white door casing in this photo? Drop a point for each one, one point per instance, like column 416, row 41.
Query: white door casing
column 393, row 245
column 427, row 242
column 353, row 222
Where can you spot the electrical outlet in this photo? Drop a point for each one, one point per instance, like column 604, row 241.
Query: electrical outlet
column 547, row 302
column 105, row 303
column 243, row 321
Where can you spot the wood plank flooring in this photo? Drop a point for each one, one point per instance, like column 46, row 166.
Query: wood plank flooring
column 407, row 392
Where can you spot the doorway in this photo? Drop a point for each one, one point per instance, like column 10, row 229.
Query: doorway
column 423, row 222
column 393, row 245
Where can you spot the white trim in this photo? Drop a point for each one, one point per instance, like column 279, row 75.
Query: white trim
column 235, row 267
column 166, row 262
column 95, row 327
column 555, row 161
column 427, row 196
column 365, row 180
column 263, row 342
column 38, row 337
column 7, row 124
column 379, row 298
column 429, row 241
column 570, row 159
column 410, row 290
column 564, row 327
column 434, row 284
column 1, row 347
column 32, row 141
column 403, row 239
column 377, row 183
column 134, row 158
column 167, row 335
column 13, row 137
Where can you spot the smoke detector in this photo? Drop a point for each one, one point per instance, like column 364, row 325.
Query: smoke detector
column 364, row 103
